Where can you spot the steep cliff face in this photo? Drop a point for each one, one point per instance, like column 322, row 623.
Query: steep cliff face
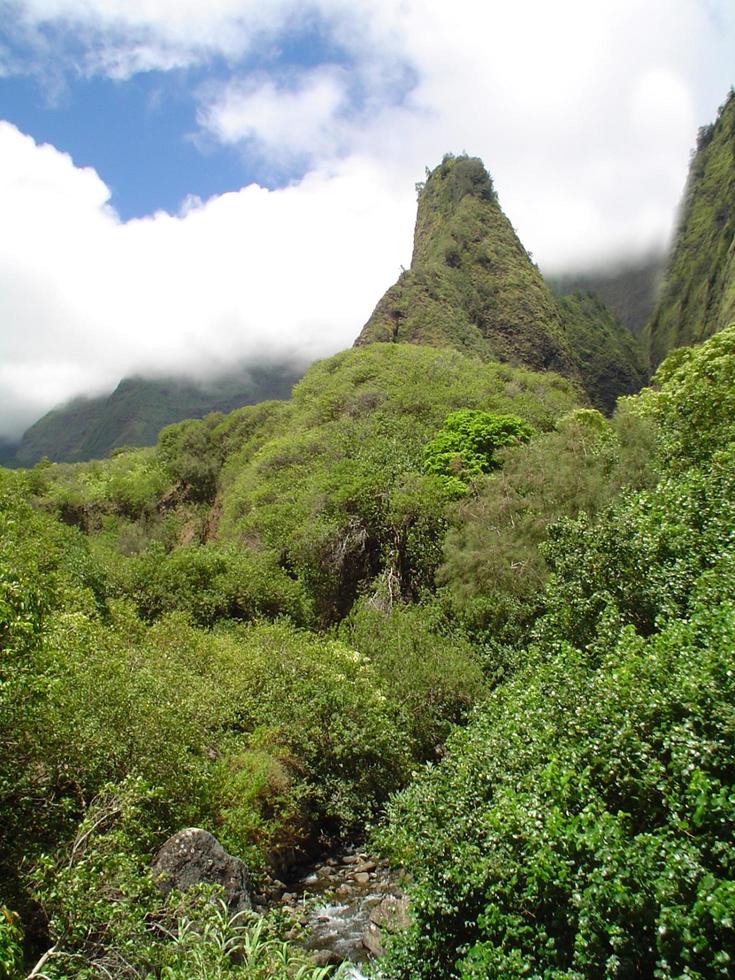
column 471, row 284
column 698, row 294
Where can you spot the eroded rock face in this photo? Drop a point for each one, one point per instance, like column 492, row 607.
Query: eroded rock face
column 194, row 857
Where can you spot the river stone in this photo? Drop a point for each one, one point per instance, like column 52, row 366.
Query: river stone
column 392, row 914
column 326, row 957
column 371, row 940
column 194, row 857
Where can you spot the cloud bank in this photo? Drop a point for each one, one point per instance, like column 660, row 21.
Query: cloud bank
column 252, row 275
column 584, row 113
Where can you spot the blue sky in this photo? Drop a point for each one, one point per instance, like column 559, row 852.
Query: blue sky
column 186, row 184
column 141, row 132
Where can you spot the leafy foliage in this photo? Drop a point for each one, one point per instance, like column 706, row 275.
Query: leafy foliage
column 157, row 671
column 494, row 568
column 465, row 446
column 341, row 497
column 579, row 826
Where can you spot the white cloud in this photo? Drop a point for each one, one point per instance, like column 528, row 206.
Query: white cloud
column 86, row 298
column 585, row 114
column 284, row 121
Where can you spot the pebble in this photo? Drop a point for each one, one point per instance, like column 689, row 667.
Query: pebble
column 361, row 877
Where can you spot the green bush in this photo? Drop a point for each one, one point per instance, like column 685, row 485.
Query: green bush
column 11, row 944
column 211, row 583
column 580, row 826
column 466, row 445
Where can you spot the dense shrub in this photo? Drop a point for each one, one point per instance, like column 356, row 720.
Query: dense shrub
column 581, row 825
column 211, row 583
column 466, row 446
column 429, row 670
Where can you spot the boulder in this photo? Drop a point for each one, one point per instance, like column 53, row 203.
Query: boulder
column 194, row 857
column 390, row 916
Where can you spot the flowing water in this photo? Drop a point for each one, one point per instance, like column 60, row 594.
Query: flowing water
column 336, row 901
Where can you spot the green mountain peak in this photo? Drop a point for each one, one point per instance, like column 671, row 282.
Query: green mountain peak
column 473, row 286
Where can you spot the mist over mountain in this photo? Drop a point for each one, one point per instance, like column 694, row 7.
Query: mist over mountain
column 136, row 411
column 628, row 288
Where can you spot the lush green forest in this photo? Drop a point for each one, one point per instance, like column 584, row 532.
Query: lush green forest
column 435, row 602
column 267, row 625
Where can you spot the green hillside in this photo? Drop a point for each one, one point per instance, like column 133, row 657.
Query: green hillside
column 137, row 410
column 698, row 293
column 431, row 616
column 610, row 359
column 472, row 286
column 268, row 623
column 628, row 289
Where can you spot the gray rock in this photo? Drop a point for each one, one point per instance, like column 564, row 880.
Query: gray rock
column 392, row 914
column 195, row 857
column 366, row 866
column 325, row 957
column 371, row 940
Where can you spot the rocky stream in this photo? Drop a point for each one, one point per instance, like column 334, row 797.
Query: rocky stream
column 342, row 907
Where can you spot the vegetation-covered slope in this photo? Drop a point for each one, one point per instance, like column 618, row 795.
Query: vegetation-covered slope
column 628, row 289
column 698, row 293
column 473, row 286
column 582, row 824
column 610, row 359
column 430, row 591
column 137, row 410
column 145, row 641
column 261, row 627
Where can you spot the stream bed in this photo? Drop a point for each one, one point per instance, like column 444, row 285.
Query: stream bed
column 342, row 904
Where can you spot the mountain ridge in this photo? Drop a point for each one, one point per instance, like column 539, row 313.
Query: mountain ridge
column 138, row 408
